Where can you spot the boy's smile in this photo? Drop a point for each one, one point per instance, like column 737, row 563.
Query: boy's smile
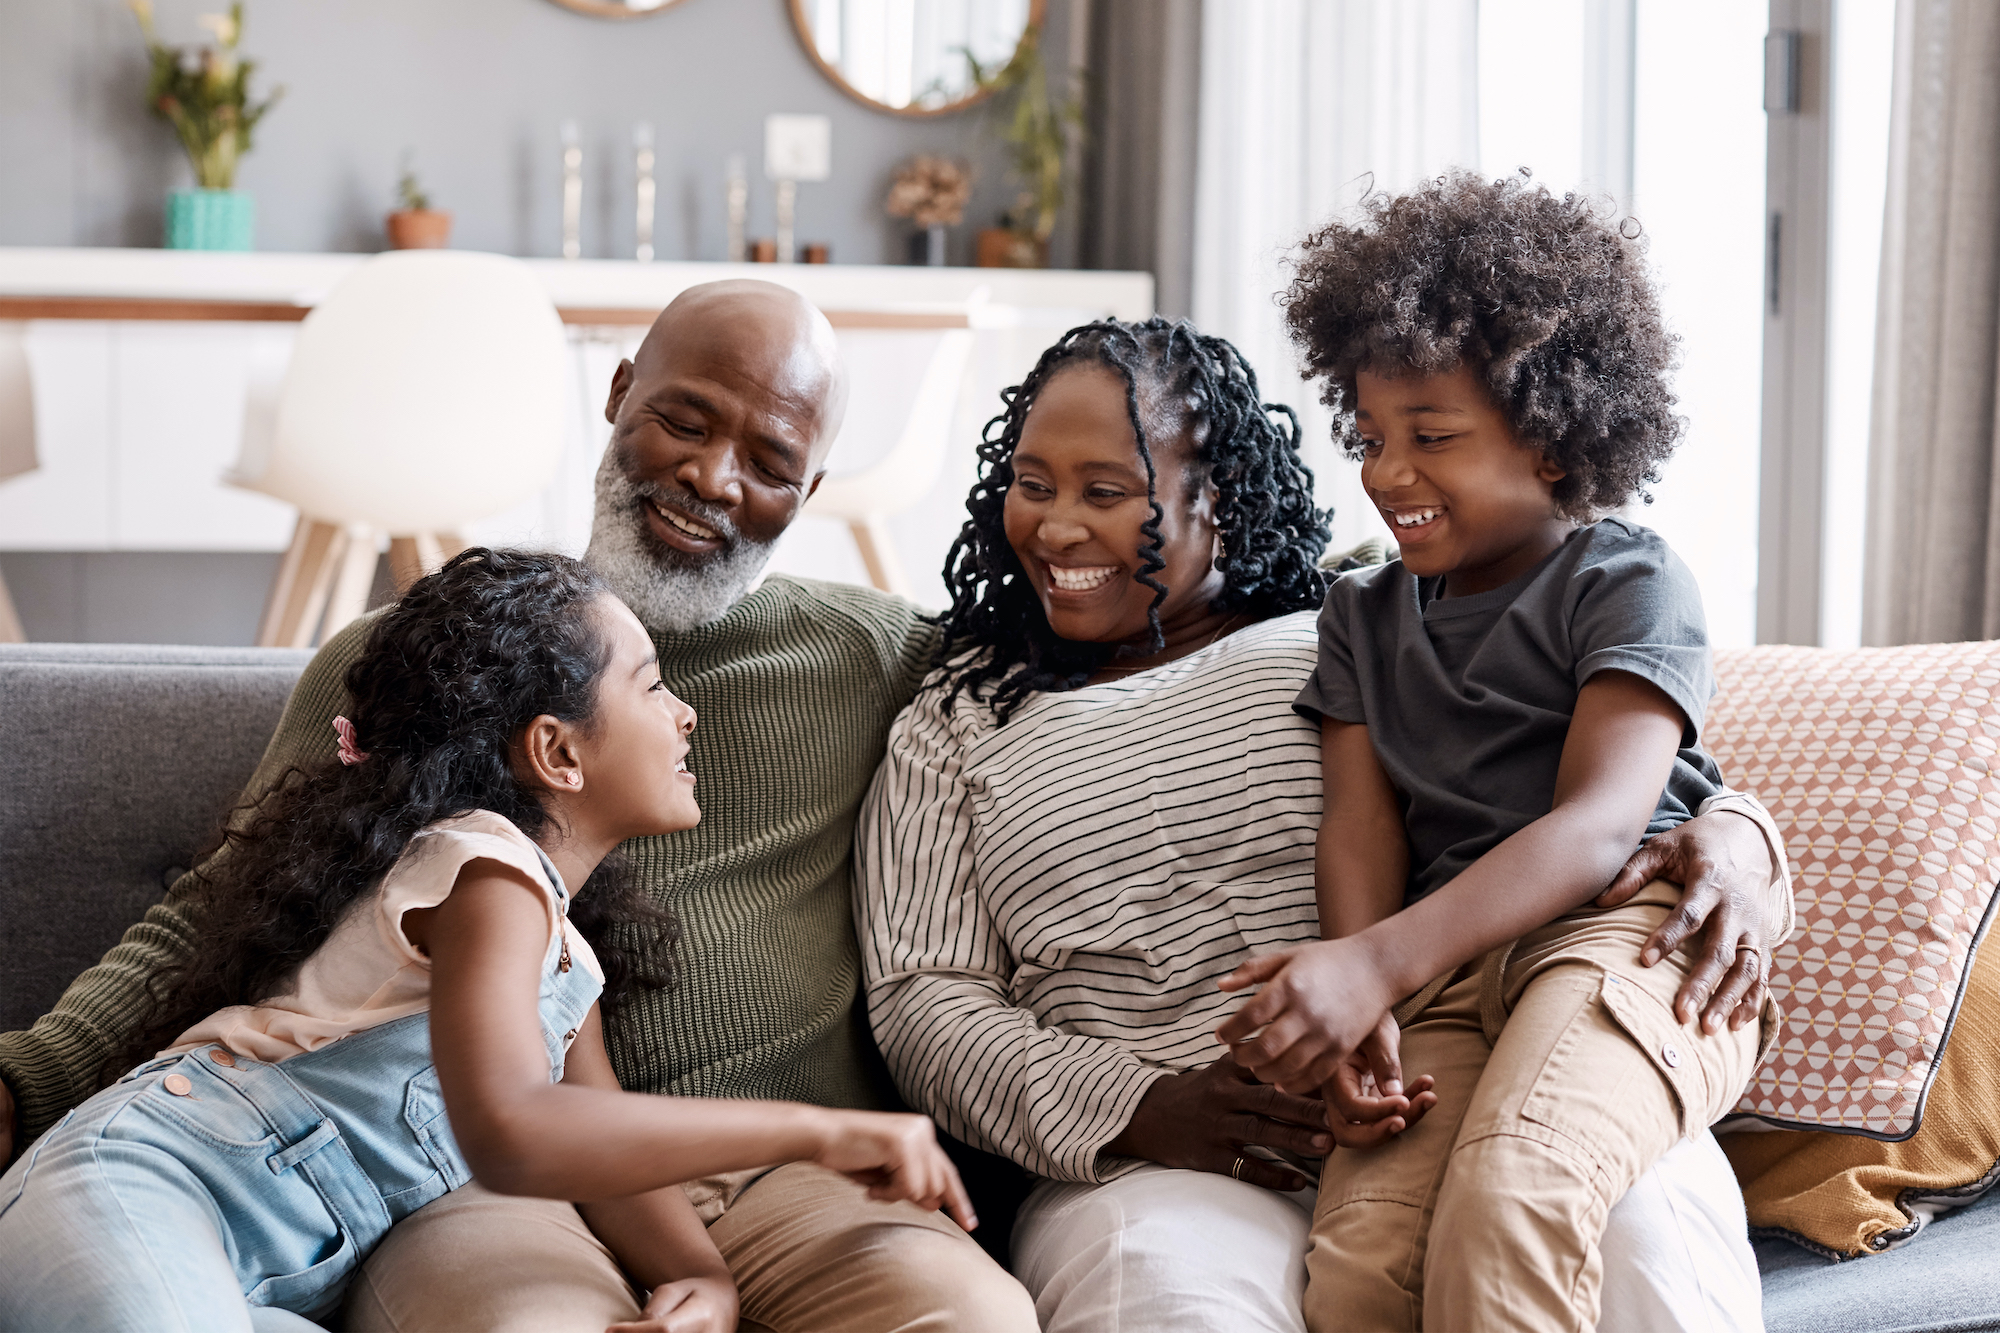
column 1464, row 495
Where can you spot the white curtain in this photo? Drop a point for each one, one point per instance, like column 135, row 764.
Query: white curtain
column 1933, row 572
column 1306, row 104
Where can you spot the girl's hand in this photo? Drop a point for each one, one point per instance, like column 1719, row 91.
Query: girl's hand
column 696, row 1305
column 896, row 1157
column 1367, row 1103
column 1318, row 1004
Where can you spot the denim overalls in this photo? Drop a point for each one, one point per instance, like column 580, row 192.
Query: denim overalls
column 209, row 1191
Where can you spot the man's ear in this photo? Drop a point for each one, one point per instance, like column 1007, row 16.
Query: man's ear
column 818, row 477
column 1550, row 471
column 621, row 384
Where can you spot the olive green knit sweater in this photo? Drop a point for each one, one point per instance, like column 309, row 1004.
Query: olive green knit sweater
column 795, row 689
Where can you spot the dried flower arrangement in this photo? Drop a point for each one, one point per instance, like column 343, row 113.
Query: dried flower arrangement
column 931, row 191
column 205, row 94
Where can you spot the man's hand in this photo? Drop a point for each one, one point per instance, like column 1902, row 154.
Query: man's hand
column 697, row 1305
column 1203, row 1119
column 1319, row 1002
column 1366, row 1100
column 1724, row 866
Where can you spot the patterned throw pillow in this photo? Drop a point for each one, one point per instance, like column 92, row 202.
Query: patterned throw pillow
column 1879, row 765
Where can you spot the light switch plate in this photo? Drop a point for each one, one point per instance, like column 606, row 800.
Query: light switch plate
column 798, row 148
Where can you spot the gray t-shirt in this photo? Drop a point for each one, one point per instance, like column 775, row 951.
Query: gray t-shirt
column 1468, row 700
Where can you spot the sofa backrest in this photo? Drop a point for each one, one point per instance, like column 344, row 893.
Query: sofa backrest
column 116, row 763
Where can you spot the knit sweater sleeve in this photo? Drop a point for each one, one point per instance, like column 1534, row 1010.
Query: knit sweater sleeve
column 59, row 1061
column 938, row 975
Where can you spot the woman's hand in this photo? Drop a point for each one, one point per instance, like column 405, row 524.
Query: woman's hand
column 896, row 1157
column 1724, row 864
column 1202, row 1119
column 1366, row 1100
column 695, row 1305
column 1319, row 1002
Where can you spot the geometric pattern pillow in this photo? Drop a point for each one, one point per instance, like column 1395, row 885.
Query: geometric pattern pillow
column 1881, row 767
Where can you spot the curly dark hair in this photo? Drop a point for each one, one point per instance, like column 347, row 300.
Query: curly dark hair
column 1542, row 296
column 997, row 643
column 446, row 682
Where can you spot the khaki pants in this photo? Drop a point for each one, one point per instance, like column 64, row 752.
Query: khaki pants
column 808, row 1249
column 1560, row 1080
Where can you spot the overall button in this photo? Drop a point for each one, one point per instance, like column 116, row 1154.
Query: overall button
column 1672, row 1055
column 177, row 1084
column 223, row 1058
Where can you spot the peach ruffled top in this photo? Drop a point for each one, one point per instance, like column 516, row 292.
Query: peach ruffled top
column 367, row 972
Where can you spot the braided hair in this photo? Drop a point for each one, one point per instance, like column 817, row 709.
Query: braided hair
column 446, row 682
column 997, row 644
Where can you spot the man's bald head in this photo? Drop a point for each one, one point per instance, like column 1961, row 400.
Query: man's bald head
column 720, row 430
column 777, row 336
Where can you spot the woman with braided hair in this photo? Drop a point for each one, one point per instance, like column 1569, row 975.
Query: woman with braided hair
column 1099, row 804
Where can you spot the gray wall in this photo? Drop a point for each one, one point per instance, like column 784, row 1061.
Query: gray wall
column 477, row 90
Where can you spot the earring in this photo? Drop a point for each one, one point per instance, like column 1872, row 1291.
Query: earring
column 576, row 779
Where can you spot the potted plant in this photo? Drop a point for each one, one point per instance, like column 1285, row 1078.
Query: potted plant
column 931, row 192
column 1037, row 134
column 205, row 95
column 416, row 225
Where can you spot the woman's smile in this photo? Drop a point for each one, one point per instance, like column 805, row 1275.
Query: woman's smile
column 1079, row 580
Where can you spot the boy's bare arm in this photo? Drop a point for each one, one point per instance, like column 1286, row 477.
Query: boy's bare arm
column 1362, row 858
column 1322, row 1000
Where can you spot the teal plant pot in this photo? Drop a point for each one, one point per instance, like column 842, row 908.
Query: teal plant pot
column 210, row 220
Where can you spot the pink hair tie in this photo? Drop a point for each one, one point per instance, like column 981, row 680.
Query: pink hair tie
column 348, row 753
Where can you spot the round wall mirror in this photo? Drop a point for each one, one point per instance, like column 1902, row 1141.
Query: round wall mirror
column 910, row 56
column 617, row 9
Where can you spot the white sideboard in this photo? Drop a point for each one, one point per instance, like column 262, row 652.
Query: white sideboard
column 138, row 418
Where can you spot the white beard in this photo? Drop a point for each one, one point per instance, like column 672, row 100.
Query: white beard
column 668, row 590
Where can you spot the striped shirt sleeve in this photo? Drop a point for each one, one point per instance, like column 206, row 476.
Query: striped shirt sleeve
column 939, row 976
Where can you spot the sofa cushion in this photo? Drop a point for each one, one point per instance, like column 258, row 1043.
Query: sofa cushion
column 1847, row 1195
column 120, row 761
column 1879, row 767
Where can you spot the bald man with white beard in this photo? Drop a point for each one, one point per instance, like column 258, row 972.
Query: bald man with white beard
column 720, row 431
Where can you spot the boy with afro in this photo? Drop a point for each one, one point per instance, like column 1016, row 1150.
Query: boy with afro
column 1506, row 712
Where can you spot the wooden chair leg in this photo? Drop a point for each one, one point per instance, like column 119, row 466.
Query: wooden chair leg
column 298, row 594
column 410, row 558
column 878, row 553
column 10, row 620
column 356, row 579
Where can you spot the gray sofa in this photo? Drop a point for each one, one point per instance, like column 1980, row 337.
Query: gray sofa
column 115, row 763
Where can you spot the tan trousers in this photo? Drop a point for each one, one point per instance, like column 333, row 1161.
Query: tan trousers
column 808, row 1249
column 1560, row 1080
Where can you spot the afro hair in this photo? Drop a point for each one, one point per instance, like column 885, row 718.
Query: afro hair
column 1541, row 296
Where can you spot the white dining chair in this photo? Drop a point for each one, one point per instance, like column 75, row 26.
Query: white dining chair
column 17, row 440
column 867, row 499
column 426, row 391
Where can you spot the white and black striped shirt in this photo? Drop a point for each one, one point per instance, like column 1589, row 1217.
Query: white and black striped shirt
column 1045, row 907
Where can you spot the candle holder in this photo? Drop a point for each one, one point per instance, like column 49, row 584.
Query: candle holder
column 642, row 220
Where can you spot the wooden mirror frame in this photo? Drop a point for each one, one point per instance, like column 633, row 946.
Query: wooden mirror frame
column 802, row 27
column 610, row 9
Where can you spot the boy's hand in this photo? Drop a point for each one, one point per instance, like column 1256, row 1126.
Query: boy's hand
column 697, row 1305
column 1318, row 1004
column 1367, row 1103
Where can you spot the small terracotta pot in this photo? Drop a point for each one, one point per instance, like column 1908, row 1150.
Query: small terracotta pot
column 1002, row 247
column 419, row 229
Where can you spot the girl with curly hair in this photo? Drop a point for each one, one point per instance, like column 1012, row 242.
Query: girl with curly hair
column 1505, row 712
column 398, row 993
